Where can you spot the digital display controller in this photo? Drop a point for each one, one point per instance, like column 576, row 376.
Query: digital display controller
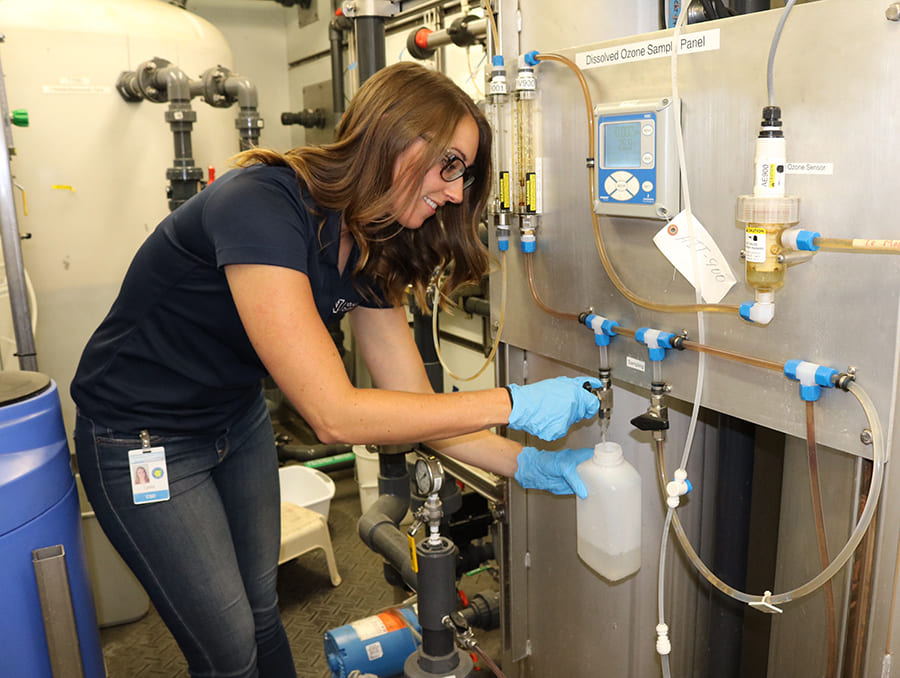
column 622, row 145
column 636, row 158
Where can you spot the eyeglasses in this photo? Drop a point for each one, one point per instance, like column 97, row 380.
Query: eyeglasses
column 453, row 167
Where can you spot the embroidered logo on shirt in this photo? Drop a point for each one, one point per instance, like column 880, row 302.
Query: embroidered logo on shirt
column 343, row 306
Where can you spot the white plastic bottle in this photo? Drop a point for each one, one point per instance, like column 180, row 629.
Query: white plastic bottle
column 609, row 520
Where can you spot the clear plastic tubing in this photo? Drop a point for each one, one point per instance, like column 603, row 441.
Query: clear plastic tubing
column 858, row 245
column 878, row 459
column 529, row 270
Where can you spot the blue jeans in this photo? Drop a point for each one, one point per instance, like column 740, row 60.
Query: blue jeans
column 208, row 557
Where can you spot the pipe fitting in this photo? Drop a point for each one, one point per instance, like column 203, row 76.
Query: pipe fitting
column 761, row 311
column 677, row 488
column 656, row 341
column 663, row 645
column 604, row 329
column 800, row 239
column 812, row 377
column 528, row 233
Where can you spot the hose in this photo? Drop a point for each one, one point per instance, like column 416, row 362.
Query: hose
column 490, row 358
column 879, row 460
column 670, row 514
column 490, row 662
column 529, row 269
column 493, row 22
column 858, row 245
column 821, row 537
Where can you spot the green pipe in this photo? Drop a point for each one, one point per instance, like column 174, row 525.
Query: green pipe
column 330, row 461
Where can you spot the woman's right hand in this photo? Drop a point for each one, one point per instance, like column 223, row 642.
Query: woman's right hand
column 548, row 408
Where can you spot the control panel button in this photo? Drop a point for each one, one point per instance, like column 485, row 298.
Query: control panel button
column 647, row 186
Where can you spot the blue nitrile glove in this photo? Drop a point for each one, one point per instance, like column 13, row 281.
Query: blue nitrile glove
column 555, row 472
column 548, row 408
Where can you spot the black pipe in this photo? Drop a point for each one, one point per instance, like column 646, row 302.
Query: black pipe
column 370, row 46
column 477, row 306
column 749, row 6
column 437, row 599
column 737, row 440
column 425, row 342
column 483, row 610
column 336, row 29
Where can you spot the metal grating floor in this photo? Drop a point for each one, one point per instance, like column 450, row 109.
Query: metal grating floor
column 310, row 605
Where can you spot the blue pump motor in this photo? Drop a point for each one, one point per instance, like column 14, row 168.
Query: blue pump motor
column 377, row 645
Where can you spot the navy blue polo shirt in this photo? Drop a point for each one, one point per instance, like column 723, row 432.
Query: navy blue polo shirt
column 172, row 355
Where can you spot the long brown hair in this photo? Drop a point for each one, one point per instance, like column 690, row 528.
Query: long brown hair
column 354, row 175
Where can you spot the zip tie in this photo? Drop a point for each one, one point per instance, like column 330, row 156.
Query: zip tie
column 763, row 605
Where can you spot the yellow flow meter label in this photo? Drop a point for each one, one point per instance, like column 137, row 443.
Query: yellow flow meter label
column 504, row 191
column 531, row 193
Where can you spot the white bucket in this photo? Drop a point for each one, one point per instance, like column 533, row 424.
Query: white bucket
column 306, row 487
column 366, row 474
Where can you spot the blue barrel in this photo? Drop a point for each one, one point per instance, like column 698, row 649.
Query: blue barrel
column 378, row 645
column 38, row 508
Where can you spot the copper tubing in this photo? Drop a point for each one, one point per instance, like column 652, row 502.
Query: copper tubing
column 494, row 31
column 625, row 332
column 529, row 268
column 733, row 355
column 859, row 602
column 598, row 239
column 821, row 538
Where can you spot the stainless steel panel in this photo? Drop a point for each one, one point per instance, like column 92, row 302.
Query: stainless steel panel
column 838, row 310
column 576, row 620
column 833, row 80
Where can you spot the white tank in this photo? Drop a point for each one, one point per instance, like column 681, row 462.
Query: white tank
column 93, row 167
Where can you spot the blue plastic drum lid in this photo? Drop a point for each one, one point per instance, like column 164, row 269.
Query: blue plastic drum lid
column 35, row 471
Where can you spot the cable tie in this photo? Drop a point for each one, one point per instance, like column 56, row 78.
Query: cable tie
column 763, row 604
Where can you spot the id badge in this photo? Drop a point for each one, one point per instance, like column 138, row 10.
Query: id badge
column 149, row 480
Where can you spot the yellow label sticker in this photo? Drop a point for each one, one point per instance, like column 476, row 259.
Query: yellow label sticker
column 412, row 552
column 504, row 191
column 531, row 193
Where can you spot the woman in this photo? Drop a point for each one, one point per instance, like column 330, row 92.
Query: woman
column 239, row 282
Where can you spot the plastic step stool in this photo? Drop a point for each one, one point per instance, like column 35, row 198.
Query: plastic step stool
column 303, row 530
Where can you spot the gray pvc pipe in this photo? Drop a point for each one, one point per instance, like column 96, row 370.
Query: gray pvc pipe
column 378, row 530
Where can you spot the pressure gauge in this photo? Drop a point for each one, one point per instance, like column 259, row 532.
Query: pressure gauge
column 429, row 475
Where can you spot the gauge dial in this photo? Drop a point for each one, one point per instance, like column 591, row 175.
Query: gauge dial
column 429, row 475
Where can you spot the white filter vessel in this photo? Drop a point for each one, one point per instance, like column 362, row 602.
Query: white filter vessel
column 609, row 520
column 93, row 166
